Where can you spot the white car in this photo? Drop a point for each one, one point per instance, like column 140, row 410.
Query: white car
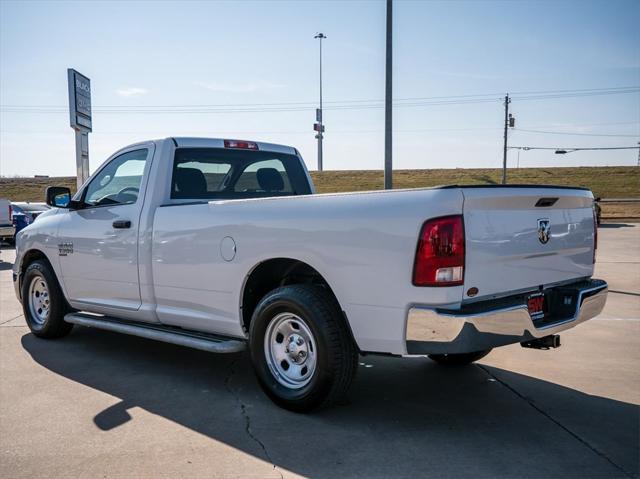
column 7, row 229
column 222, row 245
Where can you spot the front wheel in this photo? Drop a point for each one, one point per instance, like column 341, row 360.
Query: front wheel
column 461, row 359
column 43, row 303
column 301, row 349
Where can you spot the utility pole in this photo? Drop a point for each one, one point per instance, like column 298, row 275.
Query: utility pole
column 639, row 154
column 388, row 150
column 507, row 100
column 318, row 126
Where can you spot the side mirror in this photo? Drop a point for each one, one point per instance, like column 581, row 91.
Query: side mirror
column 58, row 196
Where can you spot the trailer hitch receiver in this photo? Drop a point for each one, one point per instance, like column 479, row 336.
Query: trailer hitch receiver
column 546, row 342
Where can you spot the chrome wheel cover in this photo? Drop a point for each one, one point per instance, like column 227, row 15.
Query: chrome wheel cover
column 39, row 301
column 290, row 350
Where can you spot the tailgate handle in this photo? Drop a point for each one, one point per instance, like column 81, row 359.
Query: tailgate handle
column 122, row 224
column 546, row 202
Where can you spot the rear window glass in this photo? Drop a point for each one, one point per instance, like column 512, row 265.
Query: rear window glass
column 217, row 173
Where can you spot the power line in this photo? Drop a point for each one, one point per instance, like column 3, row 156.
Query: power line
column 332, row 105
column 373, row 130
column 527, row 148
column 588, row 91
column 572, row 133
column 263, row 132
column 398, row 130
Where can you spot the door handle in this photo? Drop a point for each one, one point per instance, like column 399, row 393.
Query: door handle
column 122, row 224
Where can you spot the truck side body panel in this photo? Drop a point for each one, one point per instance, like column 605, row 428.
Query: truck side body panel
column 362, row 244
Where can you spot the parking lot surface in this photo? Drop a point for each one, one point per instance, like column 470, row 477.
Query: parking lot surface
column 99, row 404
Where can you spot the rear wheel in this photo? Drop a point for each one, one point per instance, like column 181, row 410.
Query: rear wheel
column 301, row 349
column 43, row 303
column 461, row 359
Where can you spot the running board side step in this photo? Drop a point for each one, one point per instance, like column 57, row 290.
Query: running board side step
column 190, row 339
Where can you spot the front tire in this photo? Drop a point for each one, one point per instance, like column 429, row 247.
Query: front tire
column 461, row 359
column 301, row 349
column 43, row 303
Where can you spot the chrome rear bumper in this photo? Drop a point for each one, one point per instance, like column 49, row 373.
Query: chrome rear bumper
column 431, row 331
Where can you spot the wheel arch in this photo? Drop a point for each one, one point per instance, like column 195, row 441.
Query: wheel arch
column 31, row 255
column 272, row 273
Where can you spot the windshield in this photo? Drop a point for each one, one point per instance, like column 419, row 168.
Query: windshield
column 216, row 173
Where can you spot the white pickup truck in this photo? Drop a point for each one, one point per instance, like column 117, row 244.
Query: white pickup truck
column 222, row 245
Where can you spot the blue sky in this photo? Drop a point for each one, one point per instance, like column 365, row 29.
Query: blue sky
column 151, row 54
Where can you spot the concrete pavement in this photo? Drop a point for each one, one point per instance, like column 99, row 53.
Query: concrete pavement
column 102, row 404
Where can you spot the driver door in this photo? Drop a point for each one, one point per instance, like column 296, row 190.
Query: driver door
column 98, row 244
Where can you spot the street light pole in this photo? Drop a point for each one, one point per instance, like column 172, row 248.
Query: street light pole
column 388, row 97
column 319, row 126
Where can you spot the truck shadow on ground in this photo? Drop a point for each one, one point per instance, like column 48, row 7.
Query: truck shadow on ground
column 404, row 418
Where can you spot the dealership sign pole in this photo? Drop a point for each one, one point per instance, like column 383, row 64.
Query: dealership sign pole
column 80, row 120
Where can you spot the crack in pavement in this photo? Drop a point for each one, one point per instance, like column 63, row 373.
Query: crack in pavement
column 556, row 422
column 5, row 322
column 247, row 418
column 624, row 292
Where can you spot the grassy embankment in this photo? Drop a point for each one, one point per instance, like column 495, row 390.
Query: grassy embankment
column 606, row 182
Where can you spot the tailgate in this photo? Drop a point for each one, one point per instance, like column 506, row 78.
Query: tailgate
column 521, row 238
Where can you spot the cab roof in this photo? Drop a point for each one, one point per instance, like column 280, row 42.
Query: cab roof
column 194, row 142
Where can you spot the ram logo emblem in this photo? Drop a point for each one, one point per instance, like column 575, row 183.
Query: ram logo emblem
column 544, row 230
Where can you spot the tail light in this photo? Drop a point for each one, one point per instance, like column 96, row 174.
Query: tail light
column 595, row 235
column 10, row 211
column 440, row 255
column 242, row 145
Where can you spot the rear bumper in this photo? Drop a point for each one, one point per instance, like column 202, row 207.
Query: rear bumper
column 432, row 331
column 7, row 231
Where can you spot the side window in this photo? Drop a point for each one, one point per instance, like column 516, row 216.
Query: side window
column 118, row 183
column 264, row 176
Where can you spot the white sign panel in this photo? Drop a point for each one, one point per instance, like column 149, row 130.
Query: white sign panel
column 79, row 101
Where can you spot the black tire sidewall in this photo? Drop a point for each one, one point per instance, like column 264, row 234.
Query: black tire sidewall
column 57, row 308
column 309, row 395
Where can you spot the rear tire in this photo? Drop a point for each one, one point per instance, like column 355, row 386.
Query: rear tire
column 301, row 348
column 43, row 303
column 461, row 359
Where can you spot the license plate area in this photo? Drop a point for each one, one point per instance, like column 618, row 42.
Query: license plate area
column 536, row 306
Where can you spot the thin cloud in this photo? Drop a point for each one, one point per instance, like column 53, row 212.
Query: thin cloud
column 132, row 91
column 238, row 87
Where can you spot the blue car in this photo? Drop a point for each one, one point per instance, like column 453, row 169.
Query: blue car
column 25, row 213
